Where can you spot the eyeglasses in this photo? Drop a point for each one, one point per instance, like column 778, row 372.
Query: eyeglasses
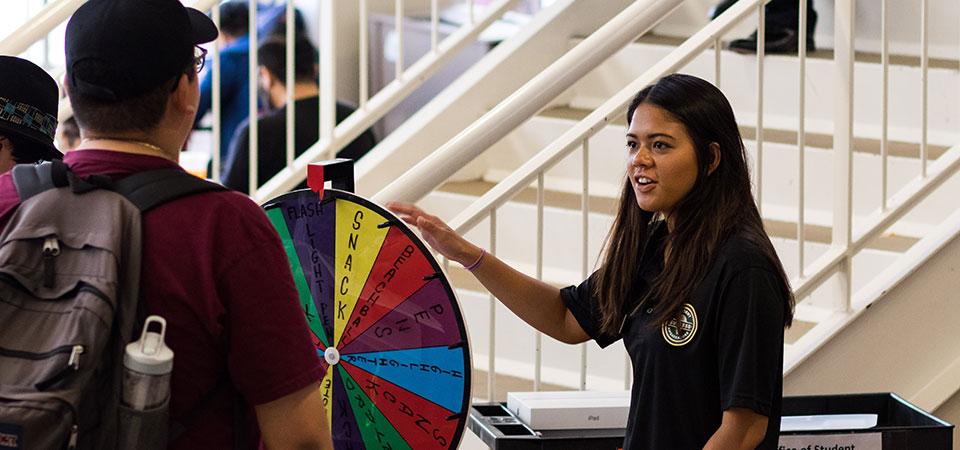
column 199, row 57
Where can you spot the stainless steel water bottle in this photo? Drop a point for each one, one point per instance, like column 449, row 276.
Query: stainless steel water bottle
column 147, row 364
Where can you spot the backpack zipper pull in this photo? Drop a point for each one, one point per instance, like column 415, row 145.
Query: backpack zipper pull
column 73, row 365
column 74, row 431
column 74, row 361
column 51, row 249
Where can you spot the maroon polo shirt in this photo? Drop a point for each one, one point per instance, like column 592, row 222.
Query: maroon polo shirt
column 214, row 267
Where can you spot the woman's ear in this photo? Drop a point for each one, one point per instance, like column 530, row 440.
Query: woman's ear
column 715, row 153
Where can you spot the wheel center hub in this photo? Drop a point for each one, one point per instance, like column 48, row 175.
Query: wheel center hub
column 332, row 355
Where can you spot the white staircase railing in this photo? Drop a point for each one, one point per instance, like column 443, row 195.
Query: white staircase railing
column 38, row 27
column 408, row 75
column 846, row 242
column 634, row 21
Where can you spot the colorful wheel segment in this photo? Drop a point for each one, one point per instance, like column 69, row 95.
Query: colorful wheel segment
column 383, row 319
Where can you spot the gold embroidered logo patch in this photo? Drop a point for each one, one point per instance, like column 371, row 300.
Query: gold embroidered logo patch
column 681, row 329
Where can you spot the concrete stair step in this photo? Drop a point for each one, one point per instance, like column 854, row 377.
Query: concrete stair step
column 822, row 53
column 738, row 82
column 780, row 177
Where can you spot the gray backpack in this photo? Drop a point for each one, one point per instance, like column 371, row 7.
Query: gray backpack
column 69, row 303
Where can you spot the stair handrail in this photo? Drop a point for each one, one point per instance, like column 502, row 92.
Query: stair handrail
column 634, row 21
column 613, row 108
column 39, row 26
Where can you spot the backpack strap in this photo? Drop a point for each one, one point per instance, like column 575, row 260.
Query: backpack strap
column 146, row 190
column 32, row 179
column 150, row 189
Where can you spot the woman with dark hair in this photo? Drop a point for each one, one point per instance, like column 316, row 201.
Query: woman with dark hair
column 688, row 279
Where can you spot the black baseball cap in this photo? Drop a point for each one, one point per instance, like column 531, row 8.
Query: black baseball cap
column 28, row 107
column 118, row 49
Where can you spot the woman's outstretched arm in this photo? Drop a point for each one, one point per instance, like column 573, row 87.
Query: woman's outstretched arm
column 535, row 302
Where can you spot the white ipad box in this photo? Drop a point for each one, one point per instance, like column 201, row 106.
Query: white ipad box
column 564, row 410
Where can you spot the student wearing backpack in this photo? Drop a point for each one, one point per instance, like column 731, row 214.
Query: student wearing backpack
column 211, row 264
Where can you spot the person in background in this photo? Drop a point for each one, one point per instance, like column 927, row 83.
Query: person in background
column 274, row 19
column 782, row 23
column 28, row 113
column 271, row 127
column 212, row 265
column 234, row 74
column 69, row 134
column 689, row 279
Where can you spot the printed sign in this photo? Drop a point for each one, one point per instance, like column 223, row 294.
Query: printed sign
column 849, row 441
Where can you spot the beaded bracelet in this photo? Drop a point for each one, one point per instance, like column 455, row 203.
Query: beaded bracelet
column 476, row 263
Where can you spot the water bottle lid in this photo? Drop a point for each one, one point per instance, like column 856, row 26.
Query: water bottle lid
column 150, row 355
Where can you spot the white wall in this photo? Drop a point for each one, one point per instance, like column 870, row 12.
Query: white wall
column 906, row 342
column 950, row 411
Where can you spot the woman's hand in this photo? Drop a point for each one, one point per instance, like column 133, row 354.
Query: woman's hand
column 437, row 233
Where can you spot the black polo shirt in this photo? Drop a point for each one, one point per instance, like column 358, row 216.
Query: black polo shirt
column 723, row 350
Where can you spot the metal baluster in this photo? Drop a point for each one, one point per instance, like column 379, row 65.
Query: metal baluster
column 538, row 336
column 252, row 72
column 585, row 246
column 328, row 76
column 215, row 100
column 46, row 46
column 884, row 104
column 801, row 137
column 434, row 26
column 364, row 56
column 491, row 358
column 843, row 142
column 398, row 21
column 364, row 63
column 761, row 43
column 717, row 53
column 924, row 79
column 627, row 373
column 291, row 82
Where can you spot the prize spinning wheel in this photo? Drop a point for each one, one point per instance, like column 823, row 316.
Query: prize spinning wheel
column 383, row 319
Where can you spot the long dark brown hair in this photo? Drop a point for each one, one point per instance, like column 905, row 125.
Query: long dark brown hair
column 719, row 205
